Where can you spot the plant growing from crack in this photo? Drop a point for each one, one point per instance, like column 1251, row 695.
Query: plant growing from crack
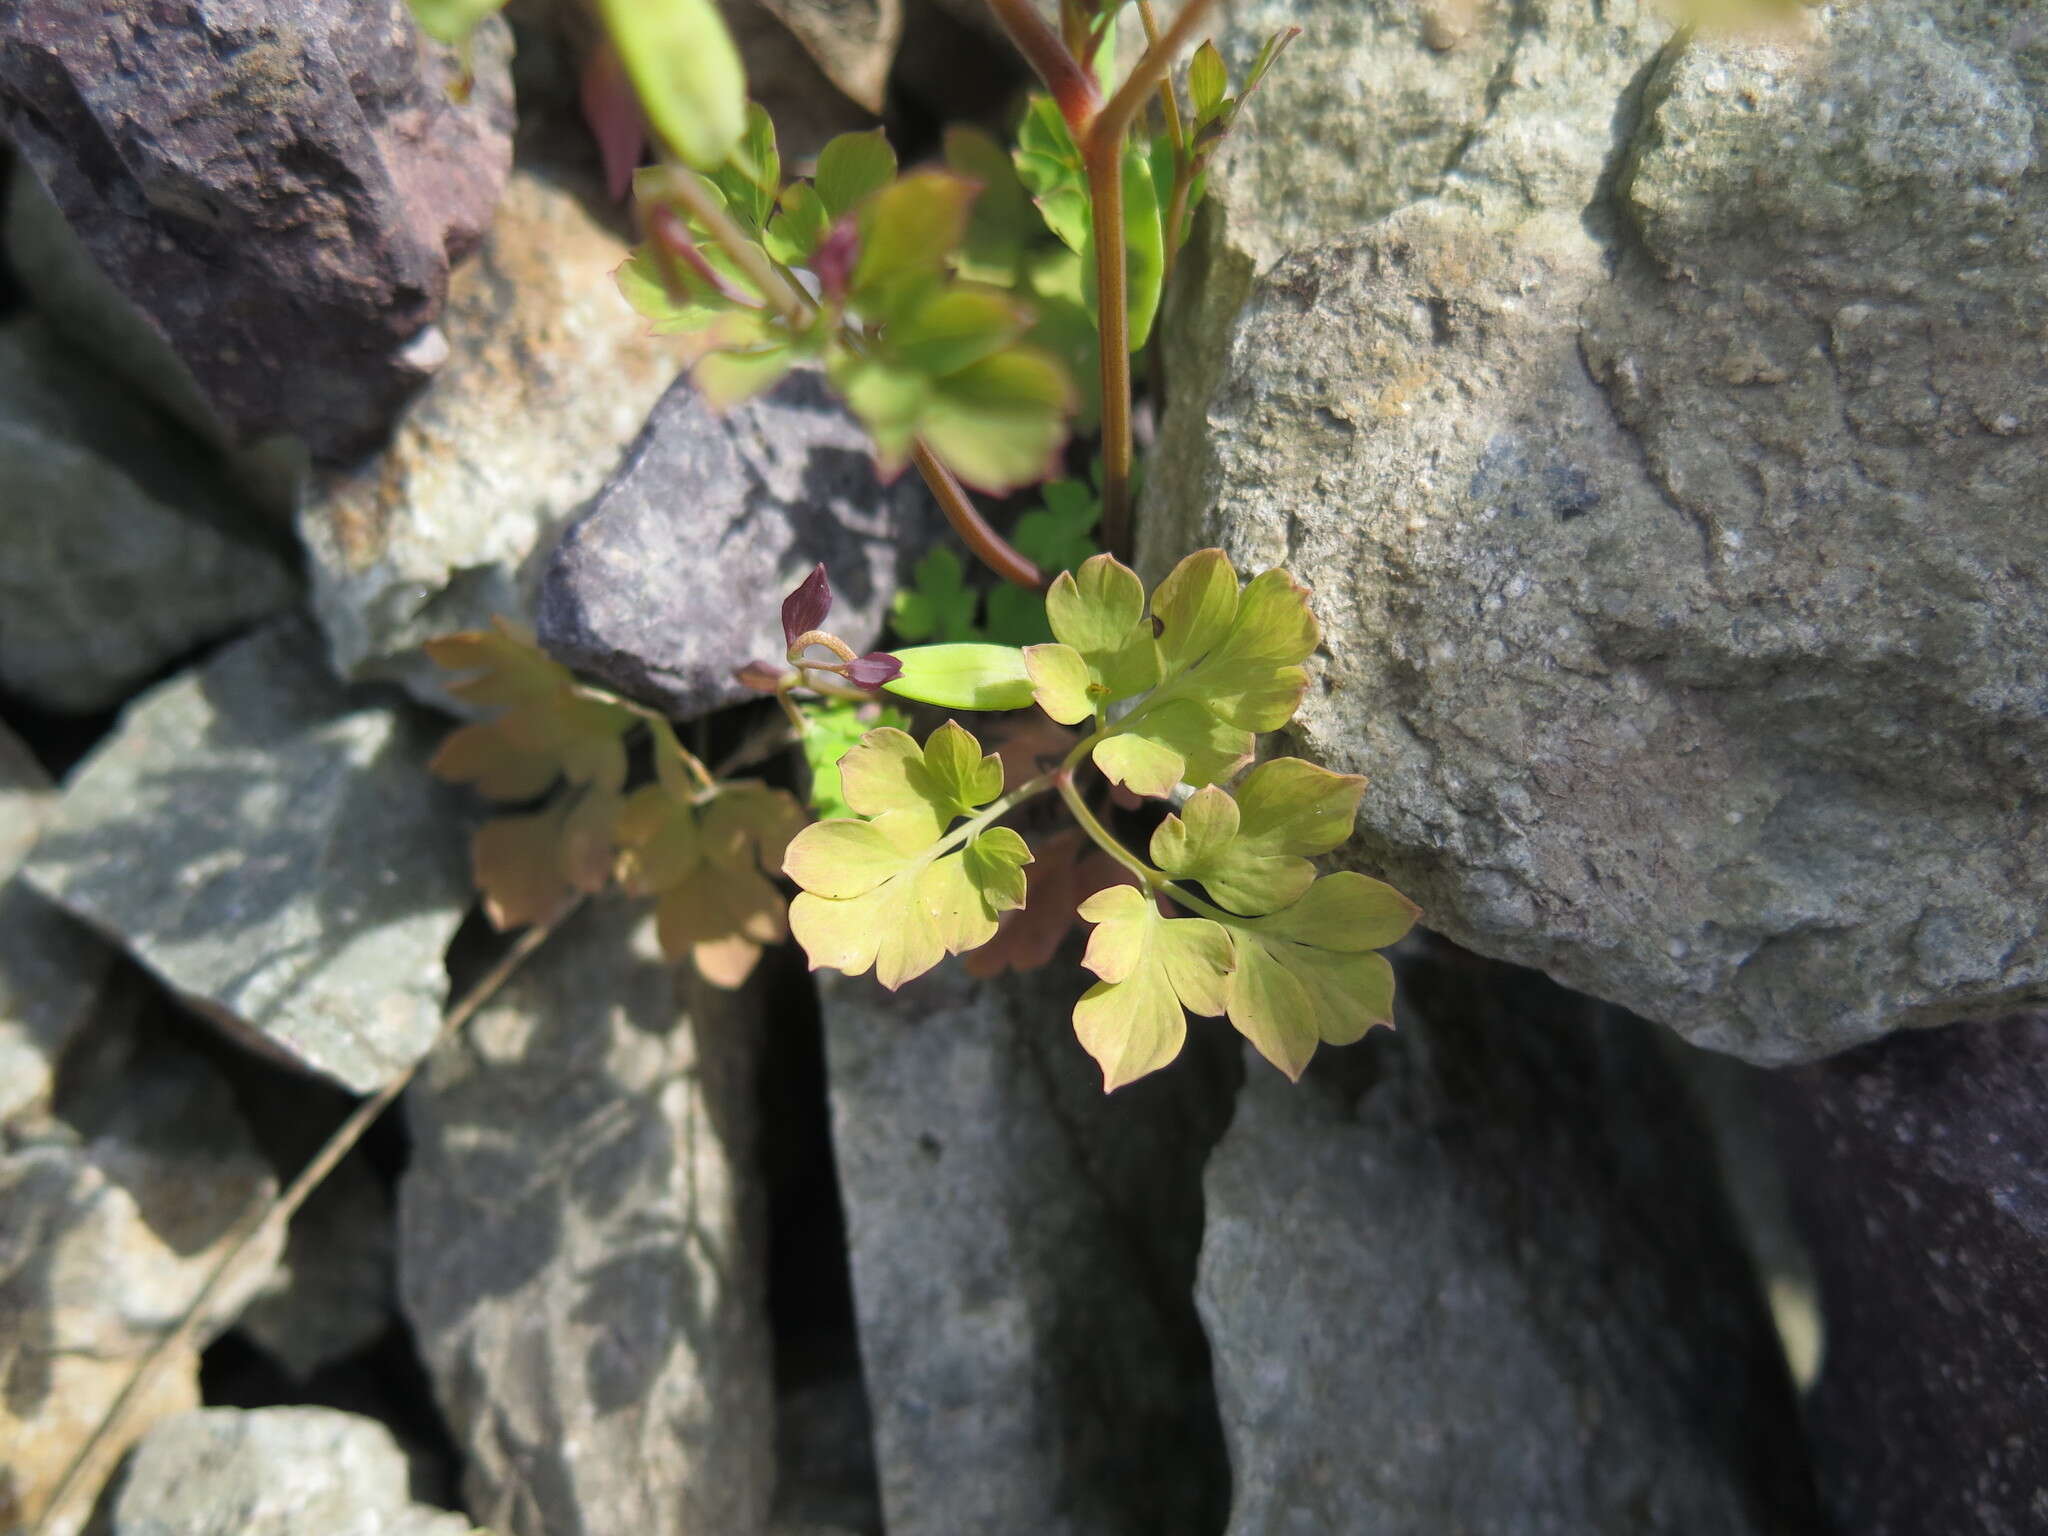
column 971, row 315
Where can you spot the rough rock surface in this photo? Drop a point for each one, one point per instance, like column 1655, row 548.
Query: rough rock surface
column 332, row 1292
column 272, row 847
column 1022, row 1253
column 1479, row 1276
column 1671, row 513
column 853, row 41
column 273, row 1472
column 1922, row 1185
column 677, row 572
column 122, row 546
column 549, row 376
column 111, row 1216
column 51, row 968
column 280, row 186
column 580, row 1246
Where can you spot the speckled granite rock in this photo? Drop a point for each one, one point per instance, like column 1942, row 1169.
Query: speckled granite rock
column 580, row 1248
column 273, row 847
column 549, row 377
column 278, row 185
column 677, row 572
column 1022, row 1253
column 1667, row 480
column 273, row 1472
column 1921, row 1180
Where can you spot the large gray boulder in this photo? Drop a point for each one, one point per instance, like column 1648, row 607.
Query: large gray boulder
column 1666, row 471
column 676, row 573
column 1922, row 1186
column 1479, row 1276
column 279, row 186
column 272, row 1472
column 580, row 1246
column 272, row 846
column 1023, row 1248
column 123, row 546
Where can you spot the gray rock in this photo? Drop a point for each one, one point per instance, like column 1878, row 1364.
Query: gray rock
column 1022, row 1253
column 1670, row 517
column 278, row 185
column 273, row 1472
column 580, row 1246
column 110, row 1220
column 25, row 801
column 1478, row 1276
column 677, row 572
column 272, row 847
column 333, row 1292
column 1923, row 1188
column 122, row 546
column 52, row 969
column 549, row 376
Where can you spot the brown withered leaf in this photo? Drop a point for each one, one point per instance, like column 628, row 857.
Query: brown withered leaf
column 547, row 726
column 706, row 861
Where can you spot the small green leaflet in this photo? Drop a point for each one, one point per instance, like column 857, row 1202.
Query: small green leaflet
column 895, row 888
column 832, row 727
column 1250, row 851
column 939, row 605
column 1155, row 970
column 1105, row 651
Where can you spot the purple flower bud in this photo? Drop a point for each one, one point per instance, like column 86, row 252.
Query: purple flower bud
column 805, row 608
column 873, row 670
column 834, row 262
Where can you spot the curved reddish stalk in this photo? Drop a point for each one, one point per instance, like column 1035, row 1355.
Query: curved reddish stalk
column 989, row 547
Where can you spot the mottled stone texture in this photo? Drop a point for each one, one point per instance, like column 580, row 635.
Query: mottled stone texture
column 580, row 1246
column 676, row 573
column 1022, row 1252
column 549, row 377
column 273, row 847
column 272, row 1472
column 278, row 185
column 1479, row 1276
column 123, row 545
column 1666, row 469
column 1919, row 1170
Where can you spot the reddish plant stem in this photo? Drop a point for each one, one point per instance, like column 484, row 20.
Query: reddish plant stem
column 1104, row 158
column 988, row 546
column 1072, row 86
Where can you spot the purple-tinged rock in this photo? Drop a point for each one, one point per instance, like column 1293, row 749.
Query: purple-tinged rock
column 677, row 573
column 279, row 186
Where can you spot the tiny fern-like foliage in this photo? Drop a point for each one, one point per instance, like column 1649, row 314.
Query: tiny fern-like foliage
column 1227, row 917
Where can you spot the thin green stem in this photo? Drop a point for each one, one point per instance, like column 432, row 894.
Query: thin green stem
column 1169, row 103
column 1102, row 837
column 1123, row 108
column 993, row 812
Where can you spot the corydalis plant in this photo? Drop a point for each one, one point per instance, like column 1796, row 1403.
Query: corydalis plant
column 1225, row 916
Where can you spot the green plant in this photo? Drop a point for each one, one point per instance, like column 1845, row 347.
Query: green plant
column 954, row 308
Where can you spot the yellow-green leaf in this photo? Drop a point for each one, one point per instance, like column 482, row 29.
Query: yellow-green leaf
column 1251, row 852
column 853, row 167
column 1154, row 971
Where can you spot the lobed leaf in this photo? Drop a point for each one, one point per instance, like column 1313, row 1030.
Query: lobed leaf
column 1155, row 970
column 1251, row 852
column 851, row 169
column 938, row 605
column 893, row 892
